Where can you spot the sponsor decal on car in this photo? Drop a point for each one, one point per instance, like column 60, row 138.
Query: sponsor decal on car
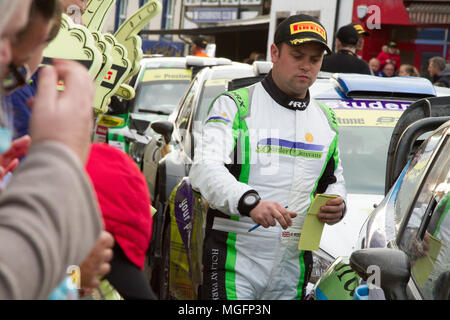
column 367, row 118
column 367, row 104
column 167, row 74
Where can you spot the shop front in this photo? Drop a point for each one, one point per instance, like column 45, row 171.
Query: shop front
column 420, row 28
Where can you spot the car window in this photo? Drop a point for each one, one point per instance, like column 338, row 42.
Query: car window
column 426, row 237
column 182, row 119
column 363, row 152
column 211, row 89
column 413, row 177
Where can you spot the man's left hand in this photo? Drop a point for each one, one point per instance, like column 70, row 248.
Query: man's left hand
column 332, row 212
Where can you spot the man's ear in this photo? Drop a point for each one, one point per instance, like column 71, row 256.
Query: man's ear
column 274, row 52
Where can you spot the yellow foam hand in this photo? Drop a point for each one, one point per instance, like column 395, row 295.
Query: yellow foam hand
column 94, row 16
column 127, row 34
column 75, row 42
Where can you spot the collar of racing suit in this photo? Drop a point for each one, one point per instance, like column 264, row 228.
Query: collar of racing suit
column 282, row 98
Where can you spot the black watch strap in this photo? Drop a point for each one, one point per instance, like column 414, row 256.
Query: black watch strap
column 243, row 208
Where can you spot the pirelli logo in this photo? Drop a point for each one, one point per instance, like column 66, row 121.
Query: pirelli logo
column 359, row 28
column 308, row 26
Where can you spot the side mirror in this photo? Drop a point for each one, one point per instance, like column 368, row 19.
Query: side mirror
column 139, row 124
column 394, row 266
column 164, row 128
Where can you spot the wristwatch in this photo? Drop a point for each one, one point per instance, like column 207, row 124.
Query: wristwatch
column 248, row 201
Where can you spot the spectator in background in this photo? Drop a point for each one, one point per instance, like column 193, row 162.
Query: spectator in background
column 374, row 65
column 362, row 33
column 74, row 9
column 439, row 72
column 255, row 56
column 408, row 71
column 388, row 70
column 390, row 53
column 198, row 47
column 345, row 59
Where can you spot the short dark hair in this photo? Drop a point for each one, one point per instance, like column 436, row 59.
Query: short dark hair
column 438, row 62
column 50, row 10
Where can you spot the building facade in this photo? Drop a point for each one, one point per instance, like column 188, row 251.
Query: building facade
column 420, row 28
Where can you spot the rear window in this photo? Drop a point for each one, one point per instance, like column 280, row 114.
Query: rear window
column 365, row 129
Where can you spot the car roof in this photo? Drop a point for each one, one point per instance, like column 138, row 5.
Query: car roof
column 351, row 85
column 234, row 70
column 182, row 62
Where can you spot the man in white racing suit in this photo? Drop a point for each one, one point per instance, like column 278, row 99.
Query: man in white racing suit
column 263, row 149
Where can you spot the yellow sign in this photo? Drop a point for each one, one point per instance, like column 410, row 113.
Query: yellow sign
column 308, row 26
column 367, row 118
column 110, row 121
column 167, row 74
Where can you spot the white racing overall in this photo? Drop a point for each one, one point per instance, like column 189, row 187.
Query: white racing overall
column 287, row 156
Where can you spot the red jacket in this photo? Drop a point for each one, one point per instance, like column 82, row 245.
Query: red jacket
column 384, row 56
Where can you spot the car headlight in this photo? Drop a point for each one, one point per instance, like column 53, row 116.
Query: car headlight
column 321, row 262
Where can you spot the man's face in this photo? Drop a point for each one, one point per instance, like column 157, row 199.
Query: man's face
column 32, row 41
column 374, row 64
column 432, row 70
column 389, row 69
column 8, row 36
column 360, row 43
column 295, row 68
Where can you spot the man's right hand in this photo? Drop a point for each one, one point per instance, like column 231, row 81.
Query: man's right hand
column 65, row 116
column 266, row 212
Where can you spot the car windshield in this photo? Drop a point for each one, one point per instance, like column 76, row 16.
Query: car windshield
column 160, row 96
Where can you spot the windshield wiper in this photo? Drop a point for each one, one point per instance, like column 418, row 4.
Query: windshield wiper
column 153, row 111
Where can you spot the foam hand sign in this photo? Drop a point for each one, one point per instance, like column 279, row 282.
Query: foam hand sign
column 127, row 34
column 100, row 103
column 115, row 76
column 75, row 42
column 94, row 16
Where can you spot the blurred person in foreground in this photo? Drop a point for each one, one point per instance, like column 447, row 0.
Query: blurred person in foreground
column 42, row 27
column 48, row 212
column 124, row 200
column 255, row 164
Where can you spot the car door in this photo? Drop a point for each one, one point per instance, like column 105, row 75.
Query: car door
column 424, row 234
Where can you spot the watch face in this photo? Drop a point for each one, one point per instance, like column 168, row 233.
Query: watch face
column 250, row 199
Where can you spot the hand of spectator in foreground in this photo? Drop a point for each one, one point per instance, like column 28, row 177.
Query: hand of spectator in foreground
column 96, row 265
column 65, row 116
column 10, row 159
